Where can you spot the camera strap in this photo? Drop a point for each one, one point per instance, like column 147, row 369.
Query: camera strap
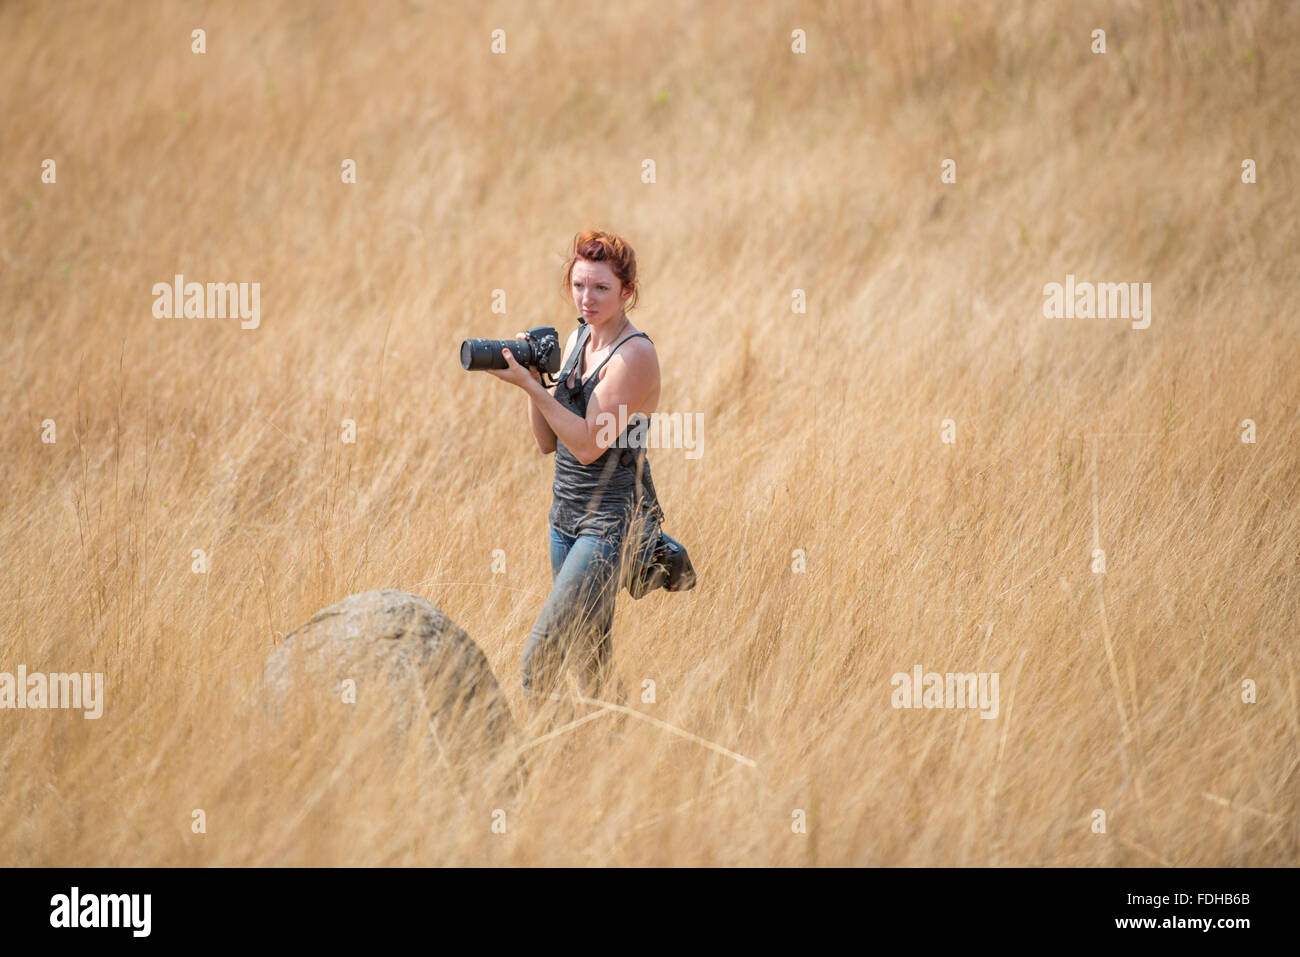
column 584, row 331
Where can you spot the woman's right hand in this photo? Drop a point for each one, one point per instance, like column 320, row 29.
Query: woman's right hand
column 535, row 373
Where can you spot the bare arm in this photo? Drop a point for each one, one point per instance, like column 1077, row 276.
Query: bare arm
column 629, row 384
column 542, row 430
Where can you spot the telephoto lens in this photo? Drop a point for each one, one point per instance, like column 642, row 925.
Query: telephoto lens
column 540, row 350
column 486, row 353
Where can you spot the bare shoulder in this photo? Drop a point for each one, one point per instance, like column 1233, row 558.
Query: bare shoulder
column 638, row 355
column 633, row 371
column 641, row 347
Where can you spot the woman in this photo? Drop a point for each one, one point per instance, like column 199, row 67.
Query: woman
column 604, row 515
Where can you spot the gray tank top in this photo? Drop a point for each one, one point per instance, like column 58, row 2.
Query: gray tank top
column 601, row 498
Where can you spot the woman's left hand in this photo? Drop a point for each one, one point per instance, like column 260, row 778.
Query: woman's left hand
column 514, row 373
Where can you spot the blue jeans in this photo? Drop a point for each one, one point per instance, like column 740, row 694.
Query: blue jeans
column 574, row 625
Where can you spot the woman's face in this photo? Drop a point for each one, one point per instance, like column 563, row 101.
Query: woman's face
column 597, row 292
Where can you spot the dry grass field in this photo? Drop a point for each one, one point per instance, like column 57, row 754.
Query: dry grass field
column 838, row 537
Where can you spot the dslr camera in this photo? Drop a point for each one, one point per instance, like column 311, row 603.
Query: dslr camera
column 540, row 350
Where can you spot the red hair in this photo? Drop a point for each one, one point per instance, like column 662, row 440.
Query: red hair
column 598, row 246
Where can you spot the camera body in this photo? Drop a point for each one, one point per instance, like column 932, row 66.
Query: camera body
column 540, row 350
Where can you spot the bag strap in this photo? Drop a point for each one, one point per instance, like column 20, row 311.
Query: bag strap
column 635, row 460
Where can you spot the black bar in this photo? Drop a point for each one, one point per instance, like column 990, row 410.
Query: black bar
column 335, row 906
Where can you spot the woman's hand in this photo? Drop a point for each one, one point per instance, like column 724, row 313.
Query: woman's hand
column 514, row 373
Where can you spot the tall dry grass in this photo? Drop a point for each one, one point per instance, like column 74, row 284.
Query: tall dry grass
column 775, row 172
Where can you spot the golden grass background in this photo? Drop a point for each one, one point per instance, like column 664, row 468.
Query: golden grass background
column 822, row 431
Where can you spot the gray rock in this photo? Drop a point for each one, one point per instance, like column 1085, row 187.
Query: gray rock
column 403, row 655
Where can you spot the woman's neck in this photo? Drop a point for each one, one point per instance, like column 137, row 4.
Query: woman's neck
column 606, row 337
